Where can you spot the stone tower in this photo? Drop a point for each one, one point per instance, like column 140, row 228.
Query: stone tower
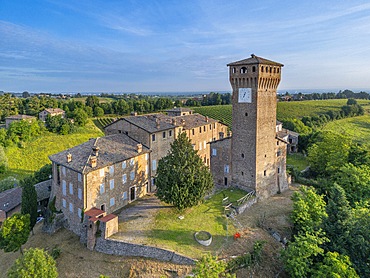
column 254, row 142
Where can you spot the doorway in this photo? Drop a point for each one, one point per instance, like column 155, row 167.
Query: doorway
column 132, row 193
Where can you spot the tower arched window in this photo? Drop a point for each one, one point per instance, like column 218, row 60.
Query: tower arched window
column 243, row 70
column 254, row 69
column 234, row 70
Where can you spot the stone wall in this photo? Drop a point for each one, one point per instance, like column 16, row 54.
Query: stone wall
column 240, row 209
column 119, row 248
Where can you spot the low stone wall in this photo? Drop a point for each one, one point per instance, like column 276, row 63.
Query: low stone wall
column 120, row 248
column 240, row 209
column 56, row 223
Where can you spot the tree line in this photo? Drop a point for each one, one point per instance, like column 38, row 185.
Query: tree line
column 320, row 96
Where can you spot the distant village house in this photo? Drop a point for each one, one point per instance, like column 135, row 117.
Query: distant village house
column 19, row 117
column 52, row 112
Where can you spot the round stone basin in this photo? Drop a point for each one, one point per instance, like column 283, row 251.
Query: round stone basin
column 203, row 238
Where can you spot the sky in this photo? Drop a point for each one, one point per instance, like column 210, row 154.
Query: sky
column 180, row 46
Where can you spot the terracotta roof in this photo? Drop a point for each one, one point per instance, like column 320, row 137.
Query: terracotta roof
column 54, row 110
column 255, row 60
column 112, row 149
column 20, row 117
column 43, row 190
column 108, row 217
column 11, row 198
column 94, row 212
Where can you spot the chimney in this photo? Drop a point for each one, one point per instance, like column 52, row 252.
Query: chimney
column 95, row 150
column 139, row 148
column 69, row 157
column 182, row 121
column 93, row 161
column 133, row 113
column 206, row 119
column 157, row 123
column 173, row 121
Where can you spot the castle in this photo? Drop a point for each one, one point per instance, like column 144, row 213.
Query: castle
column 104, row 174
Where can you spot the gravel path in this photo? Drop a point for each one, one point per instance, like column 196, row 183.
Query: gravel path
column 136, row 220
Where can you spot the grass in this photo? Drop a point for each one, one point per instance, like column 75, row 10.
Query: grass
column 34, row 154
column 170, row 232
column 357, row 127
column 298, row 160
column 289, row 109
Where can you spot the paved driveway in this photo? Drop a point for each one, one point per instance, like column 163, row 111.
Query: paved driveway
column 137, row 219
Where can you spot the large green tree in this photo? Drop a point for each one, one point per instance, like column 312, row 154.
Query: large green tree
column 34, row 263
column 182, row 178
column 14, row 232
column 29, row 199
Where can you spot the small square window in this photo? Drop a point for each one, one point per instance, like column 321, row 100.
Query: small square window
column 111, row 202
column 111, row 169
column 124, row 195
column 111, row 184
column 226, row 169
column 124, row 165
column 164, row 134
column 124, row 178
column 132, row 161
column 132, row 175
column 170, row 133
column 214, row 152
column 102, row 189
column 153, row 137
column 154, row 165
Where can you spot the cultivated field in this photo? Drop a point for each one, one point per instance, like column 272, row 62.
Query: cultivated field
column 289, row 109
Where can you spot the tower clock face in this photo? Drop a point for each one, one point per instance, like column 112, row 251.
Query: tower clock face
column 245, row 95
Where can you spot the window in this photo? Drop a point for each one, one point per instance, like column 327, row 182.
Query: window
column 79, row 193
column 277, row 143
column 193, row 131
column 242, row 155
column 205, row 144
column 70, row 207
column 124, row 178
column 200, row 146
column 124, row 196
column 132, row 175
column 79, row 213
column 146, row 156
column 278, row 153
column 278, row 170
column 64, row 188
column 70, row 188
column 264, row 173
column 146, row 169
column 111, row 169
column 132, row 161
column 111, row 184
column 214, row 152
column 64, row 203
column 102, row 173
column 226, row 169
column 154, row 165
column 153, row 137
column 111, row 202
column 64, row 170
column 214, row 125
column 164, row 134
column 79, row 176
column 124, row 165
column 200, row 129
column 204, row 128
column 210, row 127
column 170, row 133
column 102, row 189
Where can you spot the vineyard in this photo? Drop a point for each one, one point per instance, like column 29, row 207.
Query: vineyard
column 103, row 122
column 293, row 109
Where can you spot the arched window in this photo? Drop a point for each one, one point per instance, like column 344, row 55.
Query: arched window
column 234, row 70
column 254, row 69
column 243, row 70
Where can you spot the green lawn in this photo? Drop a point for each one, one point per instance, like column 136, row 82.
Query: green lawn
column 170, row 232
column 297, row 160
column 34, row 154
column 357, row 127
